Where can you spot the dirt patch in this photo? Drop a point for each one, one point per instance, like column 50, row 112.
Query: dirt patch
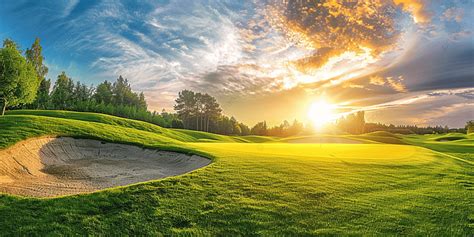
column 48, row 167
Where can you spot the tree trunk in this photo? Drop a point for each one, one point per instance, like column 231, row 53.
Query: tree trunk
column 207, row 125
column 4, row 106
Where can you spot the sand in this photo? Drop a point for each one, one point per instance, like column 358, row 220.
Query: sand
column 49, row 166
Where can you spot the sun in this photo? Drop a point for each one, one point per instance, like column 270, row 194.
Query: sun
column 321, row 113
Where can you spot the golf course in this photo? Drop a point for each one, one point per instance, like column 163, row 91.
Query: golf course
column 373, row 184
column 237, row 118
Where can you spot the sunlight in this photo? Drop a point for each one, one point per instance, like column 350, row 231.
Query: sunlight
column 321, row 113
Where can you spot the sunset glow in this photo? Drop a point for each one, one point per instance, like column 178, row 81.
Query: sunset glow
column 322, row 113
column 254, row 55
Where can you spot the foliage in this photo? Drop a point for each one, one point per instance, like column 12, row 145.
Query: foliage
column 18, row 80
column 70, row 95
column 194, row 110
column 409, row 129
column 470, row 126
column 62, row 96
column 198, row 111
column 34, row 56
column 259, row 129
column 353, row 123
column 286, row 130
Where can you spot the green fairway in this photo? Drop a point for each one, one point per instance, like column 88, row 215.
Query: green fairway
column 267, row 188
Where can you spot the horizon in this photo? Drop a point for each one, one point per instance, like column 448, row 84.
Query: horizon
column 262, row 61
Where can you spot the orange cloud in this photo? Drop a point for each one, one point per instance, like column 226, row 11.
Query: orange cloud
column 397, row 84
column 377, row 80
column 332, row 28
column 417, row 8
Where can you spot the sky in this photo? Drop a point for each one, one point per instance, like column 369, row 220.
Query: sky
column 400, row 61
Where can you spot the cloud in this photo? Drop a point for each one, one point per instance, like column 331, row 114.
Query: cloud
column 397, row 84
column 460, row 35
column 453, row 13
column 69, row 7
column 352, row 51
column 418, row 9
column 377, row 80
column 467, row 93
column 332, row 28
column 233, row 80
column 441, row 107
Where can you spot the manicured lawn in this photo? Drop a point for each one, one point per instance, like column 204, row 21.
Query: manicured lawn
column 255, row 188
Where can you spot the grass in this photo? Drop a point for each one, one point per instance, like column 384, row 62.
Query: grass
column 270, row 188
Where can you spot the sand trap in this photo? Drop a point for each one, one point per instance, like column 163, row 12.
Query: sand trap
column 48, row 166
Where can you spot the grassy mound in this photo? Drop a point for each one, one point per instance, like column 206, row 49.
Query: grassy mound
column 176, row 134
column 382, row 134
column 341, row 139
column 253, row 189
column 450, row 137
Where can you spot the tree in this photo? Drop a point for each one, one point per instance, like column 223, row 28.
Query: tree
column 211, row 110
column 176, row 123
column 18, row 80
column 122, row 92
column 470, row 126
column 141, row 101
column 103, row 93
column 245, row 130
column 185, row 106
column 259, row 129
column 63, row 90
column 42, row 96
column 200, row 112
column 9, row 43
column 35, row 57
column 353, row 123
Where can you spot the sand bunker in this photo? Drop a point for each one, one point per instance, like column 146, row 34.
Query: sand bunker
column 47, row 167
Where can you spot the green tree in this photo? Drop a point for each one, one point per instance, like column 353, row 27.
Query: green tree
column 42, row 96
column 18, row 80
column 103, row 93
column 142, row 101
column 470, row 126
column 211, row 110
column 35, row 57
column 259, row 129
column 185, row 107
column 245, row 130
column 62, row 95
column 236, row 130
column 9, row 43
column 200, row 112
column 122, row 92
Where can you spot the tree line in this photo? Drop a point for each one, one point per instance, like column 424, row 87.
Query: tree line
column 109, row 98
column 23, row 84
column 413, row 129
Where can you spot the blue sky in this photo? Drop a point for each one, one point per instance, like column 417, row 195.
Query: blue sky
column 403, row 61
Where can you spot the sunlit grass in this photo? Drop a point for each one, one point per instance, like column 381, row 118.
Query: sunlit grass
column 255, row 189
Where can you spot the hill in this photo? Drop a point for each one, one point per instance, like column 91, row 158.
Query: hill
column 270, row 188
